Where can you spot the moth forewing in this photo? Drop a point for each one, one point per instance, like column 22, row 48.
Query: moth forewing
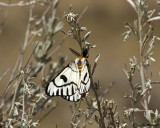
column 72, row 82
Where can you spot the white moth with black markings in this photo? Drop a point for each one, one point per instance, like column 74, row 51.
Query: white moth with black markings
column 73, row 82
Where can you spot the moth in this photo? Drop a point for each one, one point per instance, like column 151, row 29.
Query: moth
column 73, row 82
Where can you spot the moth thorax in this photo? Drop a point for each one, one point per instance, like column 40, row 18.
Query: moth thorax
column 79, row 63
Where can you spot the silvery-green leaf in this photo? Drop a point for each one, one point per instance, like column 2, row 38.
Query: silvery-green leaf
column 15, row 111
column 58, row 27
column 18, row 104
column 151, row 58
column 127, row 33
column 35, row 124
column 154, row 18
column 83, row 29
column 48, row 45
column 132, row 4
column 86, row 36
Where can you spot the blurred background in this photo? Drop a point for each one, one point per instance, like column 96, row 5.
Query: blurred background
column 105, row 19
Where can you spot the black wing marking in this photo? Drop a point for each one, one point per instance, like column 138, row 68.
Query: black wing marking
column 76, row 97
column 53, row 90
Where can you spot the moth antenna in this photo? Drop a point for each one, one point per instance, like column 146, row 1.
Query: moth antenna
column 75, row 52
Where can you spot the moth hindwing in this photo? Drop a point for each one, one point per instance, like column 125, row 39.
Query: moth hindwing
column 72, row 82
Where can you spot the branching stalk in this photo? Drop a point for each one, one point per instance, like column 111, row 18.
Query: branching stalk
column 142, row 57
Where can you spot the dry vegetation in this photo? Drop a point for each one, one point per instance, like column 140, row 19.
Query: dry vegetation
column 19, row 108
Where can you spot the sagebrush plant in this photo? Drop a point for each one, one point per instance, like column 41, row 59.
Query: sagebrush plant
column 106, row 108
column 143, row 30
column 27, row 98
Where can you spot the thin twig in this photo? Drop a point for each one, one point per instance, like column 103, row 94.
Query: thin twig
column 9, row 85
column 155, row 82
column 56, row 2
column 94, row 88
column 82, row 13
column 15, row 68
column 106, row 91
column 101, row 124
column 58, row 47
column 42, row 19
column 4, row 74
column 64, row 32
column 23, row 106
column 14, row 97
column 49, row 112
